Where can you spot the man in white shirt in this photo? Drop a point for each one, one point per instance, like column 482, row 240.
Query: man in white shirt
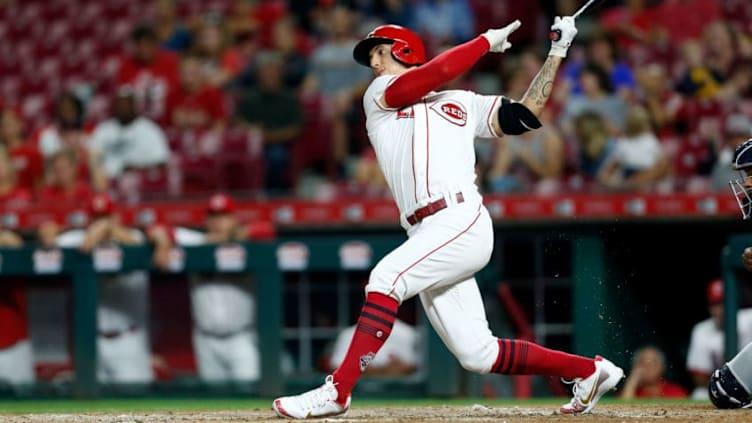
column 223, row 304
column 123, row 346
column 706, row 343
column 128, row 140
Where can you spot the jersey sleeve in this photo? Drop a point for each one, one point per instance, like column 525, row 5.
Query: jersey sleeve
column 486, row 107
column 189, row 237
column 70, row 239
column 371, row 99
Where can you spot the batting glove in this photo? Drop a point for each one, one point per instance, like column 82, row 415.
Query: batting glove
column 497, row 38
column 565, row 27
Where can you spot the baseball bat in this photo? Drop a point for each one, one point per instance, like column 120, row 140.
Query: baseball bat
column 555, row 35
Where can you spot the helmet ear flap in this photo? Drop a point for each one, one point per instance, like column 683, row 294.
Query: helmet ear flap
column 400, row 51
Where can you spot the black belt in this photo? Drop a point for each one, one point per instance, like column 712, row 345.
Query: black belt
column 432, row 208
column 117, row 333
column 223, row 335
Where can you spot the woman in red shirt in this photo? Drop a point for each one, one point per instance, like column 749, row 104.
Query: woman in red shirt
column 12, row 195
column 646, row 380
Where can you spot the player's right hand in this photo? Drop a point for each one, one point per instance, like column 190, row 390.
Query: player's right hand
column 564, row 26
column 747, row 258
column 497, row 38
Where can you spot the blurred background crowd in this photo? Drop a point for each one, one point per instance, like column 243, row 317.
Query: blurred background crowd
column 176, row 99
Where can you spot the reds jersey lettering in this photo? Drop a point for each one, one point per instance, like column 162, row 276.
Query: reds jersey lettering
column 406, row 113
column 453, row 112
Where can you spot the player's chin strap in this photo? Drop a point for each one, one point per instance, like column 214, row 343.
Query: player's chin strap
column 515, row 118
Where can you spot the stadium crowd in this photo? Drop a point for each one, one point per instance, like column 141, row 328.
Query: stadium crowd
column 260, row 98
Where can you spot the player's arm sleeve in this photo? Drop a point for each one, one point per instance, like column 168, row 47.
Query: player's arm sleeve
column 486, row 110
column 413, row 85
column 189, row 237
column 70, row 239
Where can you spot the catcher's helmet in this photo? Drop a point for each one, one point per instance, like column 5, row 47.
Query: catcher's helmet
column 742, row 188
column 407, row 47
column 726, row 391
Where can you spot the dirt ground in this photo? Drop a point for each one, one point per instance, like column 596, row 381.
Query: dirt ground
column 478, row 413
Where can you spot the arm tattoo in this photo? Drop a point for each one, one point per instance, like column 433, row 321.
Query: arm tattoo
column 542, row 84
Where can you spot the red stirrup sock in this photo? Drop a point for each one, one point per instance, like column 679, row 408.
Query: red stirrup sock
column 373, row 328
column 526, row 358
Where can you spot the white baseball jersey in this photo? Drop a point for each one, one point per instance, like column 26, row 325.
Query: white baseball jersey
column 122, row 308
column 706, row 344
column 123, row 297
column 426, row 150
column 224, row 310
column 222, row 304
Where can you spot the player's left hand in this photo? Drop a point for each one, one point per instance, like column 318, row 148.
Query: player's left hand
column 565, row 26
column 497, row 38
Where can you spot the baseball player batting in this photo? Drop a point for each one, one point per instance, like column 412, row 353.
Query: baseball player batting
column 423, row 141
column 731, row 385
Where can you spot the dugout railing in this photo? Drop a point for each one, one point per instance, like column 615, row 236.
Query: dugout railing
column 271, row 264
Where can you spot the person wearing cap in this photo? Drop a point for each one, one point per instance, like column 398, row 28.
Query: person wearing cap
column 123, row 346
column 738, row 129
column 223, row 305
column 705, row 352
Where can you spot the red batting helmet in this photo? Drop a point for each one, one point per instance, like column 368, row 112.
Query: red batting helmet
column 407, row 48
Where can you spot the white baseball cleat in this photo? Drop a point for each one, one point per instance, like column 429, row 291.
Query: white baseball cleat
column 589, row 390
column 316, row 403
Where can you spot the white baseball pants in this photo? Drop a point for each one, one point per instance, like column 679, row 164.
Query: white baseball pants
column 438, row 261
column 17, row 364
column 125, row 359
column 231, row 358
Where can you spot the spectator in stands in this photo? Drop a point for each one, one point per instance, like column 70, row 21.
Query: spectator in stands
column 128, row 141
column 12, row 195
column 442, row 22
column 25, row 157
column 647, row 378
column 657, row 95
column 533, row 161
column 634, row 24
column 171, row 32
column 123, row 346
column 699, row 80
column 685, row 19
column 738, row 129
column 70, row 132
column 285, row 41
column 706, row 344
column 278, row 112
column 196, row 104
column 339, row 80
column 724, row 55
column 601, row 50
column 16, row 353
column 150, row 71
column 397, row 12
column 220, row 60
column 597, row 96
column 399, row 355
column 638, row 163
column 594, row 145
column 223, row 305
column 63, row 186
